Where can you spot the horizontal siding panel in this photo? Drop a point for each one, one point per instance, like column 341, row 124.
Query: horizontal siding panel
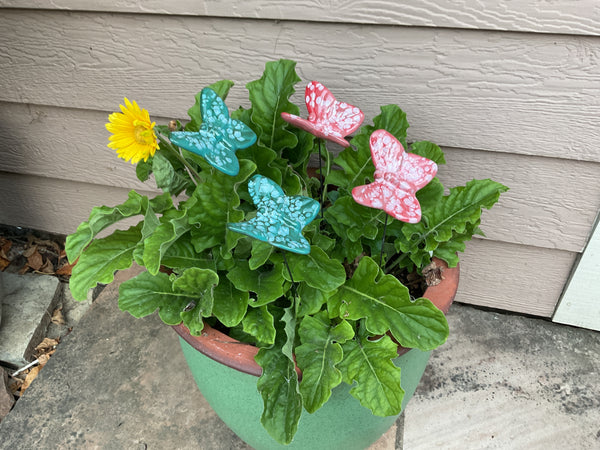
column 513, row 277
column 541, row 209
column 61, row 143
column 502, row 92
column 561, row 16
column 551, row 202
column 53, row 205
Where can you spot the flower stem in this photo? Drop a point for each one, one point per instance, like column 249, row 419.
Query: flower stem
column 194, row 176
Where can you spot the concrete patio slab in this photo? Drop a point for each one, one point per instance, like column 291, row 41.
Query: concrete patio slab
column 505, row 381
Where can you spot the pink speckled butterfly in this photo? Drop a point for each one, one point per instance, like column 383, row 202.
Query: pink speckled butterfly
column 398, row 176
column 327, row 118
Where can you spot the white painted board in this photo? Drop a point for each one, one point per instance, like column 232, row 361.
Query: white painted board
column 580, row 303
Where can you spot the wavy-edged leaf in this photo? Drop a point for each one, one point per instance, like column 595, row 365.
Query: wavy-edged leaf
column 163, row 237
column 187, row 298
column 457, row 214
column 100, row 218
column 428, row 150
column 167, row 178
column 260, row 253
column 102, row 259
column 267, row 285
column 317, row 269
column 278, row 387
column 216, row 205
column 369, row 364
column 181, row 255
column 385, row 304
column 311, row 299
column 355, row 221
column 269, row 96
column 318, row 356
column 230, row 303
column 259, row 323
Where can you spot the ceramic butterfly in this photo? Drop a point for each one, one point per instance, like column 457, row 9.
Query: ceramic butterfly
column 398, row 176
column 279, row 219
column 327, row 118
column 219, row 135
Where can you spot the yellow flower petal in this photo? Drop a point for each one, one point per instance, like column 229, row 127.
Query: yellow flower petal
column 133, row 135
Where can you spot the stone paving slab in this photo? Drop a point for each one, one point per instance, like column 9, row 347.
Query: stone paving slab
column 27, row 304
column 505, row 381
column 116, row 382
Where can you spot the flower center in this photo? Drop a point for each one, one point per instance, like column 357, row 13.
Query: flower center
column 143, row 133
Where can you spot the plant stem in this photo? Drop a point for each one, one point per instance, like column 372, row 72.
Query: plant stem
column 321, row 179
column 194, row 176
column 383, row 241
column 294, row 291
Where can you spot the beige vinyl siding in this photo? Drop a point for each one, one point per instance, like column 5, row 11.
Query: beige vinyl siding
column 541, row 16
column 503, row 93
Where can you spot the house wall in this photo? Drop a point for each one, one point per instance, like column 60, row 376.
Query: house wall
column 509, row 94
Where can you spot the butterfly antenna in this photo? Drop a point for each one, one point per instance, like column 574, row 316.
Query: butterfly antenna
column 383, row 241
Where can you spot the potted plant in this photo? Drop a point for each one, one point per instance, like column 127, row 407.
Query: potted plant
column 301, row 271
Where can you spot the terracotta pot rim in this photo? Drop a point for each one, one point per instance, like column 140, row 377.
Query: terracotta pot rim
column 240, row 356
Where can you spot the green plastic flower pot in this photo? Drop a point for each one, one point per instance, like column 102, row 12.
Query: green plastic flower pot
column 226, row 373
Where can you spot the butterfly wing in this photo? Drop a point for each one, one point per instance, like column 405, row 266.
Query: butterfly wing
column 219, row 135
column 279, row 219
column 327, row 118
column 407, row 171
column 398, row 176
column 400, row 204
column 334, row 119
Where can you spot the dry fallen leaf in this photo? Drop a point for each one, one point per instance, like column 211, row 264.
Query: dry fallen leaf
column 47, row 346
column 57, row 317
column 35, row 260
column 31, row 375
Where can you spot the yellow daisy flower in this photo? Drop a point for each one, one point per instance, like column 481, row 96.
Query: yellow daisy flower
column 132, row 133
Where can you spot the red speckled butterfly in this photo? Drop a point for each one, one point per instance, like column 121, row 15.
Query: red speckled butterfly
column 327, row 118
column 398, row 176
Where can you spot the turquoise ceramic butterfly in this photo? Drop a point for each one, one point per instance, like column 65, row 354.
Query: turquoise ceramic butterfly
column 219, row 135
column 279, row 219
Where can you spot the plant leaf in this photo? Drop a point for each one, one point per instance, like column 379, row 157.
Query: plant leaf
column 316, row 269
column 317, row 357
column 278, row 386
column 260, row 253
column 369, row 363
column 269, row 97
column 164, row 236
column 221, row 88
column 385, row 305
column 100, row 218
column 102, row 259
column 167, row 178
column 428, row 150
column 268, row 286
column 217, row 202
column 230, row 303
column 457, row 214
column 259, row 323
column 146, row 293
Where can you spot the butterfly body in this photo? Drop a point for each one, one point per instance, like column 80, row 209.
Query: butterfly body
column 398, row 176
column 219, row 136
column 327, row 118
column 280, row 218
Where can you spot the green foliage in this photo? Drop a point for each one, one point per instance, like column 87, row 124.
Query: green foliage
column 332, row 312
